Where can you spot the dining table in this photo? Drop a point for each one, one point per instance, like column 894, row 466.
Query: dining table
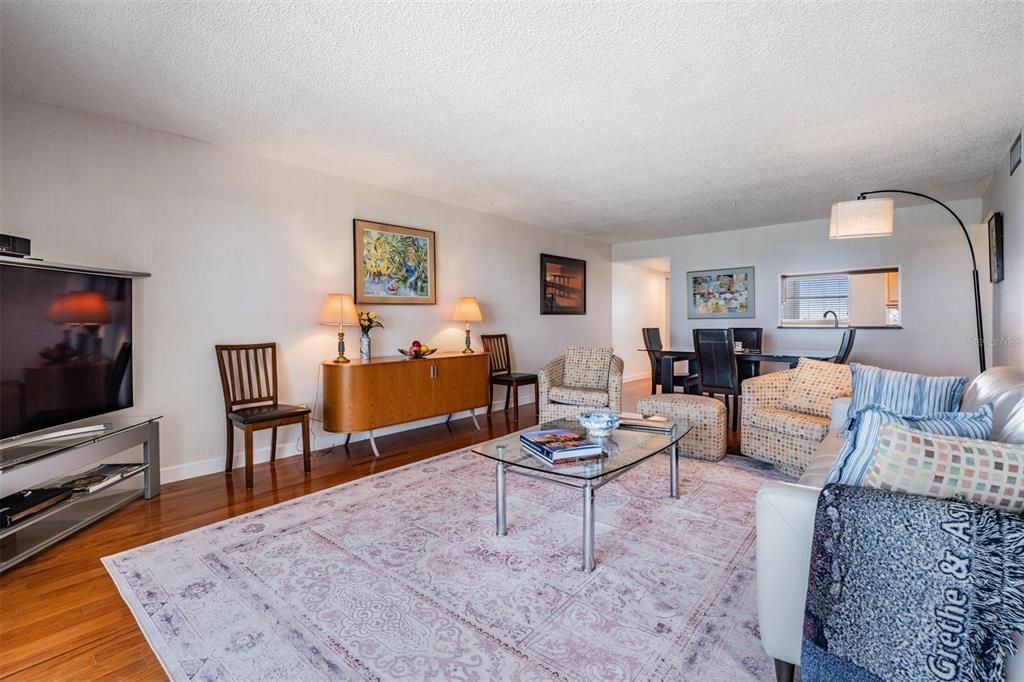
column 788, row 356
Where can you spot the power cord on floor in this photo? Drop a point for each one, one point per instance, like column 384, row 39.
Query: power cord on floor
column 312, row 417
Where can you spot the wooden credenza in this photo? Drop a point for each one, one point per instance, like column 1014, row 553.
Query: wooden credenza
column 362, row 396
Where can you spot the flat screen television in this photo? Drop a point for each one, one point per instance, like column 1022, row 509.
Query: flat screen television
column 65, row 346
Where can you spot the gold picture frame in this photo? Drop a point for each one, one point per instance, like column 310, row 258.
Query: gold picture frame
column 393, row 264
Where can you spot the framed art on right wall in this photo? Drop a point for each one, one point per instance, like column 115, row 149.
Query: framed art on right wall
column 1015, row 154
column 995, row 247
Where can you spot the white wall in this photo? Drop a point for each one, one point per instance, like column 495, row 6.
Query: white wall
column 243, row 249
column 1006, row 194
column 937, row 295
column 867, row 299
column 638, row 301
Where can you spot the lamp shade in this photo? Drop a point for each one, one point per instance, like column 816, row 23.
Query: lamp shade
column 467, row 310
column 861, row 218
column 80, row 307
column 339, row 309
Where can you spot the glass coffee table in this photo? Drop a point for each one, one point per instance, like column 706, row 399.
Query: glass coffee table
column 635, row 441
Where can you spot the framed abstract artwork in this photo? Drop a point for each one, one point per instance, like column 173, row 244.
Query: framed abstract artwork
column 725, row 293
column 563, row 285
column 394, row 264
column 995, row 247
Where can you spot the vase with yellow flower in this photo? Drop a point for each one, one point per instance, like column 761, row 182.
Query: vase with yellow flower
column 368, row 321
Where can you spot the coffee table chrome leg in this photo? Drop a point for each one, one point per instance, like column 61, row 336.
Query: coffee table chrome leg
column 673, row 468
column 588, row 527
column 500, row 499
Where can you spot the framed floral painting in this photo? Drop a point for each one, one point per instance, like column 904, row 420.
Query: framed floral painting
column 394, row 264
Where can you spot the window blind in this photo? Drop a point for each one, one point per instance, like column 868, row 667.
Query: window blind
column 809, row 297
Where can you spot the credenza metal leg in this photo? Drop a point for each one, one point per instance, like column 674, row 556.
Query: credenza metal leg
column 472, row 413
column 373, row 444
column 348, row 437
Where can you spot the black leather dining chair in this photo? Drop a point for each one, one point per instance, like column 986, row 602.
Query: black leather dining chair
column 846, row 346
column 717, row 371
column 653, row 346
column 750, row 338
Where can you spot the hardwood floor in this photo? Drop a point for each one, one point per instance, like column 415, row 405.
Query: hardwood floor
column 61, row 616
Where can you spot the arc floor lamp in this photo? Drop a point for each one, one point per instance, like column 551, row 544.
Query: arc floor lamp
column 874, row 218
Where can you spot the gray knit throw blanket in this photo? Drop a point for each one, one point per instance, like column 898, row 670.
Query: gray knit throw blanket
column 905, row 588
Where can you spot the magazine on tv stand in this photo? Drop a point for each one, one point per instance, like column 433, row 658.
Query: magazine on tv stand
column 99, row 477
column 26, row 503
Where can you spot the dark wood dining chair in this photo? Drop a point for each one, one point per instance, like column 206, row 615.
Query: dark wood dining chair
column 750, row 338
column 248, row 376
column 717, row 370
column 846, row 346
column 502, row 374
column 653, row 346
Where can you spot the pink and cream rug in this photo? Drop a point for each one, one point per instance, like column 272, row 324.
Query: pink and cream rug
column 400, row 576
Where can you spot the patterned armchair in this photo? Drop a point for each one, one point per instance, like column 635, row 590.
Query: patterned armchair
column 583, row 379
column 786, row 414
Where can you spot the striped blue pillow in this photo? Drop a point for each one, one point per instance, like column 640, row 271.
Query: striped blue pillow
column 902, row 392
column 854, row 459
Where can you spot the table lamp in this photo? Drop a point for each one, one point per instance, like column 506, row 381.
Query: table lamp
column 339, row 309
column 467, row 310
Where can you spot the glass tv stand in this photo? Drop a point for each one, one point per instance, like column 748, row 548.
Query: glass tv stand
column 60, row 452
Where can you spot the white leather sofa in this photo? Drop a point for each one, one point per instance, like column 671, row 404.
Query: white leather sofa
column 785, row 521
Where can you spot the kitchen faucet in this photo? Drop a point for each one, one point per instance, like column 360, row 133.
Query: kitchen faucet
column 834, row 317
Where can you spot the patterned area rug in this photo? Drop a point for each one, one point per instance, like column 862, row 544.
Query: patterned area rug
column 400, row 576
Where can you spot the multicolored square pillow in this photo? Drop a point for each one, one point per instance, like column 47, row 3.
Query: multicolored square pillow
column 982, row 471
column 814, row 386
column 902, row 392
column 587, row 367
column 854, row 459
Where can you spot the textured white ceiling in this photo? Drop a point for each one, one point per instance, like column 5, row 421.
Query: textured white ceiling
column 621, row 121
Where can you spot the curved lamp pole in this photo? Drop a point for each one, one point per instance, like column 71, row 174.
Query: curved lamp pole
column 974, row 262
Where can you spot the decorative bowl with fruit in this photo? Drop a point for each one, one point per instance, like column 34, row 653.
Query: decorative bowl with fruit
column 417, row 350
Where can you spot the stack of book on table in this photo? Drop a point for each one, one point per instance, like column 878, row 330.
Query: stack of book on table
column 560, row 446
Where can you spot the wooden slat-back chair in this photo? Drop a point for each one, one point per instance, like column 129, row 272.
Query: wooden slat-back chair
column 502, row 374
column 248, row 377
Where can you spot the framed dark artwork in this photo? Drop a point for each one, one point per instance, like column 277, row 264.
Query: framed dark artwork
column 563, row 285
column 1015, row 154
column 720, row 294
column 394, row 264
column 995, row 247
